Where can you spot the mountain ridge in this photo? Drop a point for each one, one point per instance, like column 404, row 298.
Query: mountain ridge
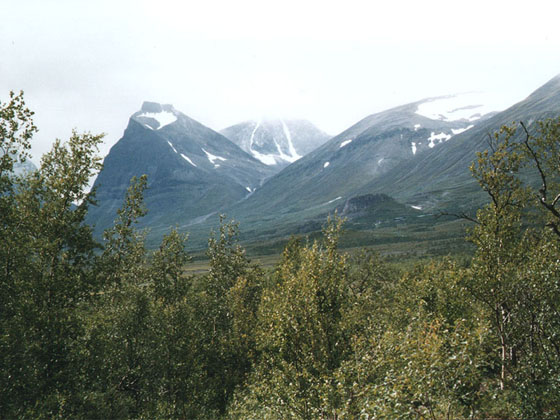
column 419, row 163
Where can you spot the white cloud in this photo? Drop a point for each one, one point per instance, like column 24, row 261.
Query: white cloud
column 91, row 65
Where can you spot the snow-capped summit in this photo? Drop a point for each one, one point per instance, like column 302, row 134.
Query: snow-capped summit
column 470, row 106
column 156, row 116
column 276, row 142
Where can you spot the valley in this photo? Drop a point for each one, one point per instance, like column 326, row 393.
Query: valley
column 357, row 280
column 281, row 178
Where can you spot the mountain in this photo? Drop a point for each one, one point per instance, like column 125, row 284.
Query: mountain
column 392, row 169
column 367, row 150
column 416, row 154
column 440, row 178
column 431, row 179
column 192, row 170
column 276, row 143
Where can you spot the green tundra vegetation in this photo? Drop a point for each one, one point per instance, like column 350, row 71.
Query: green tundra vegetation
column 114, row 330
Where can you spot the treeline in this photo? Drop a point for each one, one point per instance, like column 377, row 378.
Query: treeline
column 112, row 330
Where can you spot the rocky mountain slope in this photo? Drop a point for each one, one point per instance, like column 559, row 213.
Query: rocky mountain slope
column 416, row 154
column 192, row 170
column 440, row 178
column 351, row 160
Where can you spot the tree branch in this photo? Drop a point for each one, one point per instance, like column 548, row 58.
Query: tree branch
column 461, row 215
column 533, row 154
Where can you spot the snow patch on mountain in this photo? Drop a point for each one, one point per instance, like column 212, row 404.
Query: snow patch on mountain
column 188, row 160
column 294, row 155
column 413, row 148
column 416, row 127
column 333, row 200
column 213, row 158
column 264, row 158
column 438, row 137
column 169, row 143
column 468, row 106
column 276, row 142
column 282, row 155
column 456, row 131
column 345, row 142
column 326, row 164
column 163, row 118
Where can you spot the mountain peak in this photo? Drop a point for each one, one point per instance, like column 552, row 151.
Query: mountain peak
column 156, row 116
column 156, row 107
column 276, row 142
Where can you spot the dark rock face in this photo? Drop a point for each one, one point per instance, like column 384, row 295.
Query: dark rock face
column 362, row 203
column 154, row 107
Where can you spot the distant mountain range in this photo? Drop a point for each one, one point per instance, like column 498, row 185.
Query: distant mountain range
column 350, row 160
column 278, row 177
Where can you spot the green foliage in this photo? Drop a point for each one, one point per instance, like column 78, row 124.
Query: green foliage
column 168, row 263
column 46, row 260
column 124, row 254
column 424, row 357
column 225, row 306
column 507, row 278
column 541, row 151
column 16, row 130
column 299, row 334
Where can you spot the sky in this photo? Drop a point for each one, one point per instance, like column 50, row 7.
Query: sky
column 89, row 65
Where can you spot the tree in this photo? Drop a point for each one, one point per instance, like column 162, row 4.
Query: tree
column 47, row 275
column 225, row 303
column 168, row 263
column 299, row 335
column 16, row 130
column 498, row 238
column 175, row 338
column 508, row 276
column 120, row 338
column 124, row 250
column 541, row 151
column 420, row 353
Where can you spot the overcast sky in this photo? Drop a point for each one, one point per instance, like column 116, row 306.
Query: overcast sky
column 90, row 65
